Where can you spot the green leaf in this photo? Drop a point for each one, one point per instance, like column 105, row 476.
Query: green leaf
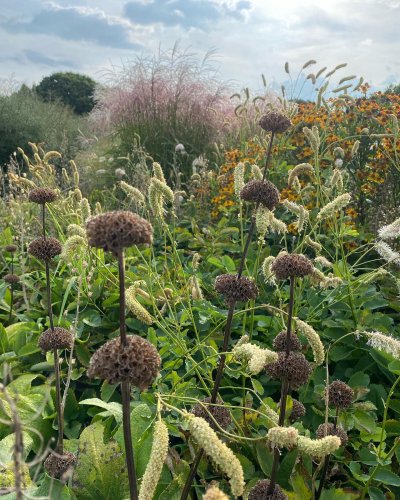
column 264, row 457
column 376, row 494
column 4, row 345
column 7, row 444
column 100, row 472
column 257, row 386
column 387, row 477
column 300, row 488
column 114, row 409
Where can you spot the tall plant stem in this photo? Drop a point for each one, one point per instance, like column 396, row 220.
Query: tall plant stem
column 285, row 387
column 326, row 463
column 11, row 289
column 60, row 416
column 125, row 388
column 227, row 334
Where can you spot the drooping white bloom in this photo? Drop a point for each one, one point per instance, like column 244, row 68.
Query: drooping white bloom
column 383, row 342
column 301, row 168
column 332, row 207
column 266, row 269
column 313, row 339
column 386, row 252
column 238, row 178
column 256, row 357
column 322, row 261
column 283, row 437
column 313, row 244
column 390, row 231
column 318, row 448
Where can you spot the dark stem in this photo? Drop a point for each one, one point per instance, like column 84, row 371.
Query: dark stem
column 126, row 422
column 121, row 271
column 326, row 463
column 227, row 335
column 125, row 389
column 11, row 289
column 44, row 220
column 48, row 290
column 60, row 416
column 285, row 387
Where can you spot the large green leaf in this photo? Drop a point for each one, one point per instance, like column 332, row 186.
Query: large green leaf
column 100, row 472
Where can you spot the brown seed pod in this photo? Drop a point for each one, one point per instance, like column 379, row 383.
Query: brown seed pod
column 298, row 411
column 11, row 278
column 11, row 248
column 260, row 492
column 329, row 430
column 291, row 265
column 220, row 413
column 236, row 289
column 42, row 195
column 340, row 394
column 45, row 249
column 137, row 362
column 58, row 465
column 279, row 343
column 294, row 367
column 115, row 230
column 275, row 122
column 263, row 192
column 58, row 338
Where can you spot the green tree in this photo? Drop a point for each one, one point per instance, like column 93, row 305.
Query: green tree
column 71, row 89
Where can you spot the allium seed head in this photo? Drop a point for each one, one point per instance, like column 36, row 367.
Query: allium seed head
column 45, row 249
column 57, row 338
column 340, row 394
column 275, row 122
column 330, row 430
column 294, row 367
column 263, row 192
column 42, row 195
column 236, row 289
column 115, row 230
column 11, row 278
column 260, row 492
column 220, row 414
column 298, row 411
column 11, row 248
column 291, row 265
column 137, row 362
column 58, row 465
column 279, row 343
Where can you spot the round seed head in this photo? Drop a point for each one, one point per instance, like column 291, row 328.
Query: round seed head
column 298, row 411
column 279, row 343
column 275, row 122
column 11, row 278
column 58, row 338
column 220, row 413
column 119, row 229
column 260, row 492
column 291, row 265
column 137, row 362
column 295, row 367
column 45, row 249
column 42, row 195
column 11, row 248
column 329, row 430
column 340, row 394
column 263, row 192
column 58, row 465
column 236, row 289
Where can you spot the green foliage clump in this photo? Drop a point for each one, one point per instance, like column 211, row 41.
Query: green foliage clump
column 71, row 89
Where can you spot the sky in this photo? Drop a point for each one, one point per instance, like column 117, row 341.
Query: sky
column 250, row 37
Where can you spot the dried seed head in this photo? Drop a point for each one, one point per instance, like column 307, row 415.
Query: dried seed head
column 115, row 230
column 137, row 362
column 340, row 394
column 220, row 414
column 291, row 265
column 58, row 465
column 42, row 195
column 279, row 343
column 298, row 411
column 294, row 366
column 330, row 430
column 11, row 248
column 57, row 338
column 275, row 122
column 260, row 492
column 263, row 192
column 11, row 278
column 45, row 249
column 236, row 289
